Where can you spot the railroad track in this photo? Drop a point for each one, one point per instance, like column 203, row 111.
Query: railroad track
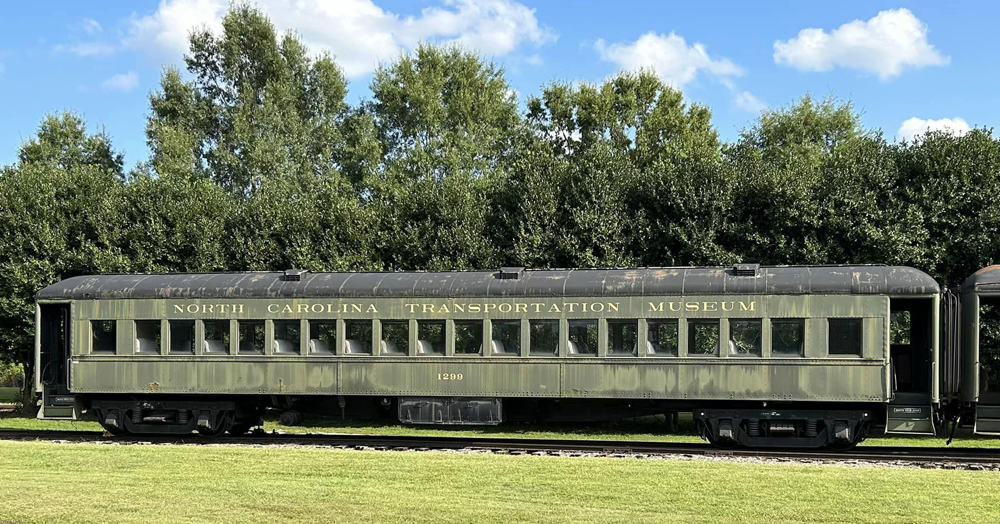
column 917, row 455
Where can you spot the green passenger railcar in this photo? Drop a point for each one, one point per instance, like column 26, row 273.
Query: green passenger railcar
column 761, row 355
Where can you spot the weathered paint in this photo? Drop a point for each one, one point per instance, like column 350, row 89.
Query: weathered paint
column 814, row 376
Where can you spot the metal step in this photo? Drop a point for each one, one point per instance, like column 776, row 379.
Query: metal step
column 909, row 420
column 987, row 419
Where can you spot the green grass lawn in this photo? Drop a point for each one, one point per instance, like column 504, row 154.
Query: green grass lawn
column 82, row 483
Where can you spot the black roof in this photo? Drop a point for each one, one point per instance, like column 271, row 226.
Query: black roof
column 742, row 279
column 984, row 280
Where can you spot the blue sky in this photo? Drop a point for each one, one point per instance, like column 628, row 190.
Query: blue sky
column 906, row 66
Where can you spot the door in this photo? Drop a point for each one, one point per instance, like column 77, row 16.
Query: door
column 911, row 357
column 53, row 363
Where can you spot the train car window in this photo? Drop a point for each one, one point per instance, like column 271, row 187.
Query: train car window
column 845, row 336
column 182, row 336
column 507, row 337
column 468, row 337
column 543, row 338
column 251, row 334
column 623, row 337
column 147, row 337
column 787, row 336
column 287, row 337
column 103, row 340
column 358, row 337
column 703, row 337
column 430, row 337
column 322, row 337
column 661, row 337
column 582, row 337
column 395, row 337
column 745, row 337
column 216, row 337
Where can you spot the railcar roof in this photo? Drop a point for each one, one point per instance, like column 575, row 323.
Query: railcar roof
column 984, row 280
column 513, row 282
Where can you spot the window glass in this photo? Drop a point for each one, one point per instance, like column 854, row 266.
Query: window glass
column 395, row 337
column 787, row 336
column 623, row 337
column 251, row 333
column 216, row 337
column 703, row 337
column 661, row 336
column 182, row 336
column 507, row 337
column 103, row 340
column 468, row 337
column 287, row 337
column 322, row 337
column 543, row 337
column 845, row 336
column 582, row 337
column 358, row 337
column 745, row 337
column 147, row 337
column 430, row 337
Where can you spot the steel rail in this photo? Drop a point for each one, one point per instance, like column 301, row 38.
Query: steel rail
column 518, row 445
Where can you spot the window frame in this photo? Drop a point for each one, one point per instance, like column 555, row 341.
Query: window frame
column 730, row 346
column 558, row 337
column 676, row 322
column 296, row 345
column 112, row 335
column 622, row 322
column 443, row 323
column 801, row 322
column 690, row 336
column 392, row 323
column 175, row 323
column 157, row 327
column 596, row 323
column 861, row 337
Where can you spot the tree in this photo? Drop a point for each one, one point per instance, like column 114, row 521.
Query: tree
column 60, row 215
column 448, row 125
column 258, row 107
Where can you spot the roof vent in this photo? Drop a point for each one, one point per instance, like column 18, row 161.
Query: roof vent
column 746, row 270
column 293, row 275
column 510, row 273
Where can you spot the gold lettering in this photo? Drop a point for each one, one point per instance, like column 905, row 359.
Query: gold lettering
column 355, row 308
column 748, row 306
column 490, row 307
column 554, row 308
column 598, row 307
column 286, row 309
column 690, row 306
column 272, row 308
column 731, row 306
column 303, row 308
column 571, row 306
column 371, row 309
column 508, row 309
column 654, row 307
column 238, row 308
column 709, row 306
column 613, row 306
column 178, row 308
column 444, row 309
column 520, row 308
column 672, row 305
column 475, row 308
column 428, row 308
column 538, row 307
column 412, row 307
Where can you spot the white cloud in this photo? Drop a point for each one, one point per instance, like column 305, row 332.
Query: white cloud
column 86, row 49
column 121, row 82
column 913, row 128
column 90, row 26
column 535, row 60
column 884, row 45
column 357, row 32
column 669, row 56
column 748, row 102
